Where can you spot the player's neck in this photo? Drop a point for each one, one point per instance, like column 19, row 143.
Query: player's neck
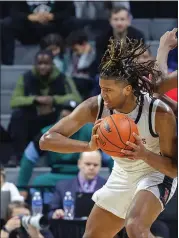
column 129, row 105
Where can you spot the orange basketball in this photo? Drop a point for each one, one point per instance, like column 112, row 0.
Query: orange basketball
column 114, row 131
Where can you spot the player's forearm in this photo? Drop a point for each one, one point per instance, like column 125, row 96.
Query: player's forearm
column 168, row 83
column 56, row 142
column 162, row 57
column 163, row 164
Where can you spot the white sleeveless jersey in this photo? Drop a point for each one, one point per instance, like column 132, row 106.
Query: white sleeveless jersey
column 128, row 177
column 144, row 117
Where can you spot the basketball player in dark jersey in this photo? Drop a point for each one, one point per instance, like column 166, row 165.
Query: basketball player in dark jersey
column 122, row 89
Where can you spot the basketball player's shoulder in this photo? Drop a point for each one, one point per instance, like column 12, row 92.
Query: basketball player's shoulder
column 91, row 104
column 164, row 116
column 164, row 108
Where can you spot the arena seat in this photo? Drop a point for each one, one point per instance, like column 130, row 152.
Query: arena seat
column 12, row 173
column 9, row 77
column 153, row 47
column 5, row 120
column 24, row 55
column 5, row 97
column 10, row 74
column 159, row 26
column 144, row 26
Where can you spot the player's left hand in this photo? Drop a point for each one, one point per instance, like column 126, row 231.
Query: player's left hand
column 139, row 151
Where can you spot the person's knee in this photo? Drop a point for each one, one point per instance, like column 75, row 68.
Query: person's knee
column 135, row 228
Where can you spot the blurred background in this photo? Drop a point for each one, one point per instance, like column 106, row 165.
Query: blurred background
column 50, row 52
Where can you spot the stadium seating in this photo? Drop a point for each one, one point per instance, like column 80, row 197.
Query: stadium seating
column 9, row 77
column 153, row 47
column 24, row 55
column 159, row 26
column 12, row 173
column 143, row 25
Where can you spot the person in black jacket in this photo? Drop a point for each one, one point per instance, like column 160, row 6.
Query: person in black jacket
column 119, row 27
column 35, row 19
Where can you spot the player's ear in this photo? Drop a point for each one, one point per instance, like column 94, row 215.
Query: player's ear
column 128, row 90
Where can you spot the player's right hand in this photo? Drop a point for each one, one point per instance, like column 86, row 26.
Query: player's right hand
column 59, row 213
column 93, row 144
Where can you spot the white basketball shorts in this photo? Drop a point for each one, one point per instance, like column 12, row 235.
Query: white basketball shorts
column 117, row 194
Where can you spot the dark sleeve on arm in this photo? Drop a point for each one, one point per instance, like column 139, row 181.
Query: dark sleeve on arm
column 134, row 33
column 141, row 36
column 19, row 11
column 63, row 10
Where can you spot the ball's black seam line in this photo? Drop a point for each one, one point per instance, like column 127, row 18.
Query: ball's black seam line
column 117, row 130
column 109, row 141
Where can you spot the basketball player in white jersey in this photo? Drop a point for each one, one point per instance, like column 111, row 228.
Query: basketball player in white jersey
column 143, row 181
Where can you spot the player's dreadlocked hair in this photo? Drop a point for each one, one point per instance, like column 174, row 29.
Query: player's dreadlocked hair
column 120, row 62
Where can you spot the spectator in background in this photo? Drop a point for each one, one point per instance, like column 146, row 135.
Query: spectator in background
column 83, row 57
column 54, row 42
column 12, row 227
column 32, row 154
column 37, row 99
column 6, row 186
column 90, row 10
column 125, row 4
column 33, row 20
column 120, row 27
column 7, row 35
column 87, row 181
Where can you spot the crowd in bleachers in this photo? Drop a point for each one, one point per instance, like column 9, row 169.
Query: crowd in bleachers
column 50, row 54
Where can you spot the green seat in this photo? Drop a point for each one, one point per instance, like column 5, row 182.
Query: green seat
column 50, row 179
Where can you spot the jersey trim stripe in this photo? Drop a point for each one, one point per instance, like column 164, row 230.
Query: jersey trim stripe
column 111, row 111
column 101, row 109
column 140, row 110
column 150, row 118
